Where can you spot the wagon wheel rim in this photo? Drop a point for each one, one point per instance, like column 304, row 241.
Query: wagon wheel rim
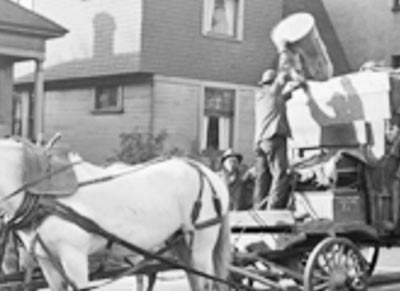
column 336, row 264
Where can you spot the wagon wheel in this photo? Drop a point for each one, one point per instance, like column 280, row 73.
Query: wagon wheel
column 336, row 264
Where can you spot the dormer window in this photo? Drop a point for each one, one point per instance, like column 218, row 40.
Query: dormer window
column 223, row 18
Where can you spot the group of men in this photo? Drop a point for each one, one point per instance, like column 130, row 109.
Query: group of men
column 271, row 185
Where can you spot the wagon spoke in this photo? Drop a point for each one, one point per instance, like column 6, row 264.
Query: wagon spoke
column 342, row 255
column 351, row 261
column 335, row 264
column 322, row 269
column 327, row 261
column 320, row 273
column 335, row 251
column 321, row 287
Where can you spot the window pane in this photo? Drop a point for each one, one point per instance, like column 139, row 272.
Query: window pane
column 108, row 98
column 219, row 20
column 213, row 133
column 219, row 101
column 218, row 118
column 221, row 17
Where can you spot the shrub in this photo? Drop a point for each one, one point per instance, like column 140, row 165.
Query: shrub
column 138, row 147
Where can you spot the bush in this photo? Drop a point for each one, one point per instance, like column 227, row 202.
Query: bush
column 138, row 147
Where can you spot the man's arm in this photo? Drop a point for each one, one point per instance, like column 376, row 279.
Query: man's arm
column 284, row 86
column 290, row 87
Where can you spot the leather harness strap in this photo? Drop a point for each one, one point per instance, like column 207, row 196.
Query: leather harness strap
column 197, row 205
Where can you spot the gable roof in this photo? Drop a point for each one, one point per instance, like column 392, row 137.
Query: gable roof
column 326, row 29
column 15, row 18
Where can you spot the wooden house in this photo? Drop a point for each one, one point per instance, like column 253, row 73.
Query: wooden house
column 187, row 67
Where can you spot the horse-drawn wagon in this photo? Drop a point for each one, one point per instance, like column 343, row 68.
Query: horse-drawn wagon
column 345, row 208
column 308, row 249
column 328, row 240
column 328, row 243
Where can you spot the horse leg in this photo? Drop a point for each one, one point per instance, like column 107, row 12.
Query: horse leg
column 54, row 279
column 222, row 253
column 27, row 264
column 151, row 281
column 152, row 277
column 76, row 265
column 74, row 268
column 140, row 282
column 183, row 251
column 196, row 253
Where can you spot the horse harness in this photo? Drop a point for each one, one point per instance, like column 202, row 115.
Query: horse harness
column 34, row 209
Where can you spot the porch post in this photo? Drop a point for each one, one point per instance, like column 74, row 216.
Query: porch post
column 39, row 102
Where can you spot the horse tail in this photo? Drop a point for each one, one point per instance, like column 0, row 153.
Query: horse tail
column 222, row 249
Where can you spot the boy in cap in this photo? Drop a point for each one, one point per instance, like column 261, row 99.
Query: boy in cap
column 238, row 180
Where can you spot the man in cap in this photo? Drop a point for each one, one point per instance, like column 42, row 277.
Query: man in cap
column 271, row 132
column 238, row 180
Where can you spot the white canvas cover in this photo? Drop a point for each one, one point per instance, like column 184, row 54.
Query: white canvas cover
column 340, row 110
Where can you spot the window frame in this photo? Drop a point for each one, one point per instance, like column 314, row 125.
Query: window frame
column 118, row 109
column 232, row 118
column 239, row 22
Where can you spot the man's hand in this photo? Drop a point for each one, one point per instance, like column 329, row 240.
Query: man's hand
column 289, row 88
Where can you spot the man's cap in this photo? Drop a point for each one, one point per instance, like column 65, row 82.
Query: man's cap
column 267, row 77
column 229, row 153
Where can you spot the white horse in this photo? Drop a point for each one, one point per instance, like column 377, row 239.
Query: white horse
column 144, row 207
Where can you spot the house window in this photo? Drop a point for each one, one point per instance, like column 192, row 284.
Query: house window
column 223, row 18
column 396, row 61
column 218, row 118
column 108, row 99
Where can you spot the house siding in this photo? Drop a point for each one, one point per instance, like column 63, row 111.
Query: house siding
column 367, row 29
column 244, row 143
column 173, row 43
column 95, row 137
column 21, row 42
column 176, row 110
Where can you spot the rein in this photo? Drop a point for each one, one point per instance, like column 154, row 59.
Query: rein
column 80, row 184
